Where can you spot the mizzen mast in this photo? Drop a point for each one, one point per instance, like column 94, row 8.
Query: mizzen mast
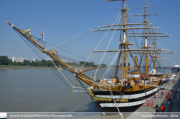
column 146, row 45
column 146, row 35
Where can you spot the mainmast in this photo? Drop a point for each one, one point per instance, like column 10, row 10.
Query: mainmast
column 123, row 43
column 146, row 45
column 124, row 40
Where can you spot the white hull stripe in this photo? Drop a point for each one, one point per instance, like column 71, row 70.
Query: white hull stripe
column 134, row 96
column 122, row 104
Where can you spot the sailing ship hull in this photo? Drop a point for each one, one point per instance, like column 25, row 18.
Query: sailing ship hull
column 135, row 99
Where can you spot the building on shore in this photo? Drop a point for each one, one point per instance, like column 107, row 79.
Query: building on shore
column 17, row 59
column 35, row 60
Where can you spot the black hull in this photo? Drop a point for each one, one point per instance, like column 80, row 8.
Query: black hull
column 130, row 106
column 117, row 93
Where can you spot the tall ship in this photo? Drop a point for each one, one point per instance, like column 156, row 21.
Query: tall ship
column 127, row 88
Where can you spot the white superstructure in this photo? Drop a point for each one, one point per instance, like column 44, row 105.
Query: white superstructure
column 35, row 60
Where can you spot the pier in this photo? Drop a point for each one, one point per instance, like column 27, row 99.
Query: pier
column 157, row 99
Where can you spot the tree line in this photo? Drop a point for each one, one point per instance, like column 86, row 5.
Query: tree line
column 91, row 64
column 4, row 60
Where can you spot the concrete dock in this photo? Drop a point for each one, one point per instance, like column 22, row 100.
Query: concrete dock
column 173, row 107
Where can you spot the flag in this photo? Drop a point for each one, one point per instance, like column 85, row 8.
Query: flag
column 41, row 36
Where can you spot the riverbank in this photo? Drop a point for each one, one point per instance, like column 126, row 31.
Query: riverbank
column 36, row 67
column 24, row 67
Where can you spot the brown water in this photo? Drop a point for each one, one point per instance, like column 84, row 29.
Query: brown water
column 40, row 90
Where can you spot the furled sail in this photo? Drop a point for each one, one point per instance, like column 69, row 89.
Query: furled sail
column 27, row 33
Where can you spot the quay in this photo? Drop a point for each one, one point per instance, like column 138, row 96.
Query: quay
column 150, row 109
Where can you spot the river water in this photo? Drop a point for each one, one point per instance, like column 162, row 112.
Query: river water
column 42, row 90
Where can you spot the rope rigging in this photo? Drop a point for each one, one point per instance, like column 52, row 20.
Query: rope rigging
column 66, row 16
column 81, row 22
column 108, row 69
column 61, row 48
column 42, row 57
column 32, row 17
column 98, row 43
column 119, row 17
column 38, row 54
column 83, row 32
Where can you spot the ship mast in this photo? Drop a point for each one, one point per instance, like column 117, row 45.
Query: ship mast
column 123, row 43
column 155, row 55
column 124, row 40
column 146, row 35
column 146, row 45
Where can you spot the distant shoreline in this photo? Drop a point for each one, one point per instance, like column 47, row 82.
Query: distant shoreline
column 35, row 67
column 24, row 67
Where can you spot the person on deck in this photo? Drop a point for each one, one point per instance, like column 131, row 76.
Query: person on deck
column 135, row 81
column 157, row 108
column 178, row 90
column 170, row 94
column 179, row 100
column 162, row 108
column 138, row 81
column 169, row 100
column 162, row 94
